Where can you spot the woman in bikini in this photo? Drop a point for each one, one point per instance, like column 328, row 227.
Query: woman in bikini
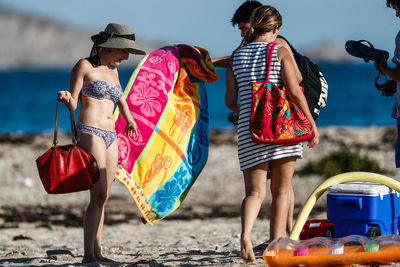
column 94, row 81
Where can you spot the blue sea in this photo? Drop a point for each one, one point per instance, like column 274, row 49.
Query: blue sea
column 28, row 99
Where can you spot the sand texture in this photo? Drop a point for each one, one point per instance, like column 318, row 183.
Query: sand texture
column 37, row 229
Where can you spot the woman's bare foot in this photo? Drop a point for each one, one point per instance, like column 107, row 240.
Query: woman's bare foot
column 87, row 259
column 246, row 250
column 103, row 259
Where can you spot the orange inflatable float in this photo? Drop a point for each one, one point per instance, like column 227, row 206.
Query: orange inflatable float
column 336, row 255
column 322, row 251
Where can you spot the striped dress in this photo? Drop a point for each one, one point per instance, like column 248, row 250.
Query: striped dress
column 249, row 66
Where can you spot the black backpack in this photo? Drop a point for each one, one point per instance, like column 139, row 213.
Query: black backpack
column 314, row 83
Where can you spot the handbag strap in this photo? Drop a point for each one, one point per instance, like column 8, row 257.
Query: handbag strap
column 73, row 128
column 268, row 59
column 55, row 141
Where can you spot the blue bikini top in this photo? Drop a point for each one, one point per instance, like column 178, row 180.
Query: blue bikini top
column 102, row 90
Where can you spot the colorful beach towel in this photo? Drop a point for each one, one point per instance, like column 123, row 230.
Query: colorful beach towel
column 167, row 98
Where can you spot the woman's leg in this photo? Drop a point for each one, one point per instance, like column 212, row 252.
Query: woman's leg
column 289, row 224
column 98, row 194
column 397, row 150
column 255, row 181
column 111, row 165
column 281, row 183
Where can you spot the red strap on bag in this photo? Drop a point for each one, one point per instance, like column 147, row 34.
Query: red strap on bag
column 268, row 59
column 69, row 168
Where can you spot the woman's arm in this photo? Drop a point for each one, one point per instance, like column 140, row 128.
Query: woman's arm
column 130, row 127
column 393, row 73
column 70, row 98
column 292, row 86
column 231, row 90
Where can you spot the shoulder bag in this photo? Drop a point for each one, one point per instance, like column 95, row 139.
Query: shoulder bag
column 69, row 168
column 275, row 119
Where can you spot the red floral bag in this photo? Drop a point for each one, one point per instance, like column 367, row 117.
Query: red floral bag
column 69, row 168
column 275, row 119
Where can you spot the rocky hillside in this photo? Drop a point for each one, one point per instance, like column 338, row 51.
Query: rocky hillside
column 28, row 41
column 328, row 51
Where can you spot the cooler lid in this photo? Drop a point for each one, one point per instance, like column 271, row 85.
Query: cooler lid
column 360, row 188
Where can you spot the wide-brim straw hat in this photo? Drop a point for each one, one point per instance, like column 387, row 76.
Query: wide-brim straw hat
column 121, row 36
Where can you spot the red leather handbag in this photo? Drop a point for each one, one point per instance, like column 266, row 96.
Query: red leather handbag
column 69, row 168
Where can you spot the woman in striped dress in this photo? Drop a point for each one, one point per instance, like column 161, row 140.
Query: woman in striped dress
column 248, row 66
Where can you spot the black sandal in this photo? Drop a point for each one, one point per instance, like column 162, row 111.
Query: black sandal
column 388, row 88
column 360, row 50
column 233, row 118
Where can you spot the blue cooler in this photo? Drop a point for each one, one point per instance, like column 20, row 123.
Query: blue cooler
column 363, row 208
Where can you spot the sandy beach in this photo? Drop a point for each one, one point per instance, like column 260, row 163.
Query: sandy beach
column 37, row 229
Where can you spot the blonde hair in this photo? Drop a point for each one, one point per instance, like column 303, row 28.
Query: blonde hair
column 263, row 19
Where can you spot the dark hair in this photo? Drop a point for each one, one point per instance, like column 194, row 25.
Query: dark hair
column 243, row 12
column 391, row 3
column 263, row 19
column 97, row 39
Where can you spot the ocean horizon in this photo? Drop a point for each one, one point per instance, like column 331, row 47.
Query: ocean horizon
column 29, row 99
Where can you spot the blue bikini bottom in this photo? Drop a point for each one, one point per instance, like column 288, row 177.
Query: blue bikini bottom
column 108, row 136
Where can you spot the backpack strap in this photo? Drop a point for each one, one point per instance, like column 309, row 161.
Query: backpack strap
column 268, row 60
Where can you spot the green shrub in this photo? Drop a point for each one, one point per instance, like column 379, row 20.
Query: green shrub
column 341, row 161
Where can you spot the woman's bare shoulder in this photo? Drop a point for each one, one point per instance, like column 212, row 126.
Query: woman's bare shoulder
column 83, row 63
column 82, row 66
column 283, row 52
column 282, row 42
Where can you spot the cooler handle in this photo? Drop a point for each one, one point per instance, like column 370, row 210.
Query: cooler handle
column 355, row 202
